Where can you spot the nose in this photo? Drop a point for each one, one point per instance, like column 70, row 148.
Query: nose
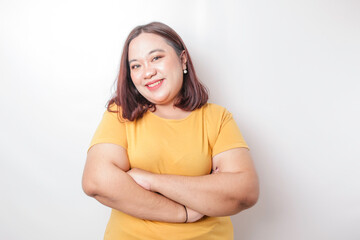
column 150, row 71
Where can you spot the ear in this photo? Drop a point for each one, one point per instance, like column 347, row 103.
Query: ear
column 183, row 59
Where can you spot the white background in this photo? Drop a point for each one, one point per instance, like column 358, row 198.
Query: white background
column 289, row 71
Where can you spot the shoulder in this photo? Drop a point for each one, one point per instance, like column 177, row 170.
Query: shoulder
column 114, row 108
column 115, row 111
column 214, row 116
column 215, row 111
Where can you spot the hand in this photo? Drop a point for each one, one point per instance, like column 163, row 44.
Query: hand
column 141, row 177
column 193, row 216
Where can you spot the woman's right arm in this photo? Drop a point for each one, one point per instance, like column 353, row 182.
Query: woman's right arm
column 106, row 180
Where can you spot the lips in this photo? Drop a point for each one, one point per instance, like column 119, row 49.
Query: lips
column 154, row 84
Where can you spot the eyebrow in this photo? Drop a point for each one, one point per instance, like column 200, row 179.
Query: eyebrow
column 152, row 51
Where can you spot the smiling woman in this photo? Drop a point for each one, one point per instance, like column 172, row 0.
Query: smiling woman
column 156, row 69
column 133, row 104
column 169, row 164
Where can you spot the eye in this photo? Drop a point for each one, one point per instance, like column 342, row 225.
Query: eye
column 135, row 66
column 156, row 58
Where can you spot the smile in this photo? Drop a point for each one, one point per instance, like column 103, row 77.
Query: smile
column 155, row 85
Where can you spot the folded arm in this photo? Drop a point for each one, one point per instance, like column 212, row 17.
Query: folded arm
column 231, row 188
column 106, row 180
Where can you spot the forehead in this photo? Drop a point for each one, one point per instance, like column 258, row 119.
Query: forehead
column 145, row 43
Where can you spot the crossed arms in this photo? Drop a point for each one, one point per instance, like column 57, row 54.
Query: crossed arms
column 231, row 188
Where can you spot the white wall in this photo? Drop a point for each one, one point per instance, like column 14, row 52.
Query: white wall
column 288, row 70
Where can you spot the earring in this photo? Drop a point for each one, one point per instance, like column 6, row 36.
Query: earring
column 185, row 71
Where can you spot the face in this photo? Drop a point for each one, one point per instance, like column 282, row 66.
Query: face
column 155, row 68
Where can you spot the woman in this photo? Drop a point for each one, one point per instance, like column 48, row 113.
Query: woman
column 169, row 164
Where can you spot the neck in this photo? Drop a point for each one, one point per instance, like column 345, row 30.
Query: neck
column 170, row 112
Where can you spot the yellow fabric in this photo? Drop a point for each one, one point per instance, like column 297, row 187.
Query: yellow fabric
column 167, row 146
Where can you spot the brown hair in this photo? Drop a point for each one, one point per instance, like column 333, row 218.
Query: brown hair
column 133, row 105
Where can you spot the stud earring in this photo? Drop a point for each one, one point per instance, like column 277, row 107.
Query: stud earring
column 185, row 71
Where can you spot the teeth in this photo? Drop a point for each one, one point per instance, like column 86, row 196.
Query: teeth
column 154, row 84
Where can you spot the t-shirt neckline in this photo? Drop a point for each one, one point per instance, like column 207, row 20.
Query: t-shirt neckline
column 173, row 120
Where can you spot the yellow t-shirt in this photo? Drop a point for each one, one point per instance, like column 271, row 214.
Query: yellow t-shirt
column 168, row 146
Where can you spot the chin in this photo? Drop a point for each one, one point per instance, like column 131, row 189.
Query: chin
column 160, row 100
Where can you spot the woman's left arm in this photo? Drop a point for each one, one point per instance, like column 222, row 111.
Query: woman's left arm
column 232, row 187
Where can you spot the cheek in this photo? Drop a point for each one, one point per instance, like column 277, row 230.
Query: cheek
column 174, row 69
column 135, row 78
column 171, row 65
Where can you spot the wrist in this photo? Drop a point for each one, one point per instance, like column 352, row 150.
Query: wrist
column 186, row 214
column 181, row 214
column 193, row 216
column 155, row 181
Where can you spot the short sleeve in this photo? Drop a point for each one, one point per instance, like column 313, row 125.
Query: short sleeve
column 110, row 130
column 229, row 135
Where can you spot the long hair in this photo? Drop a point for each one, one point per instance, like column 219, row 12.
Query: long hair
column 130, row 103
